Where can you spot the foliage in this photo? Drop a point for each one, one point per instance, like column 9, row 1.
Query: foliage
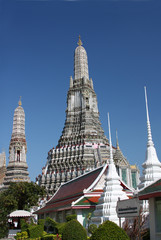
column 19, row 196
column 109, row 230
column 146, row 234
column 21, row 235
column 35, row 231
column 71, row 217
column 60, row 227
column 92, row 228
column 7, row 204
column 51, row 225
column 26, row 194
column 51, row 237
column 73, row 230
column 41, row 222
column 24, row 225
column 88, row 219
column 44, row 233
column 132, row 227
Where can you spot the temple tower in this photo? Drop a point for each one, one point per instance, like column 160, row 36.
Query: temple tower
column 17, row 166
column 82, row 145
column 106, row 208
column 151, row 166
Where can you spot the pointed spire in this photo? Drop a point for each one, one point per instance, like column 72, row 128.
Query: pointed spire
column 20, row 103
column 79, row 41
column 151, row 166
column 150, row 141
column 117, row 142
column 80, row 62
column 109, row 129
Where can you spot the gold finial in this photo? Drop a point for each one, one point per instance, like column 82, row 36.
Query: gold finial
column 80, row 42
column 20, row 103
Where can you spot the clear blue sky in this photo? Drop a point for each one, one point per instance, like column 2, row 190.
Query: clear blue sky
column 123, row 43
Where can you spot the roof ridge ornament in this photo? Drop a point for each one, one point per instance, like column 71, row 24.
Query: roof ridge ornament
column 80, row 42
column 20, row 103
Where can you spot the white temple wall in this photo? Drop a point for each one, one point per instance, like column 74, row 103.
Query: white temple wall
column 80, row 216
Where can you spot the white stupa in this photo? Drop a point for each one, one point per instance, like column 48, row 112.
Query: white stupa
column 151, row 166
column 106, row 208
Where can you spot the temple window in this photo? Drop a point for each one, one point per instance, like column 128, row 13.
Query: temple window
column 18, row 155
column 124, row 176
column 117, row 169
column 133, row 174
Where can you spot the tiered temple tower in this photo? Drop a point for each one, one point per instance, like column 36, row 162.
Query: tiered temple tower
column 17, row 166
column 82, row 145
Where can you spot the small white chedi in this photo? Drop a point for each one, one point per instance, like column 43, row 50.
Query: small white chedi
column 106, row 208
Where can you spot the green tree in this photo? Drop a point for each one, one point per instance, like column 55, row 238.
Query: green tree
column 109, row 230
column 73, row 230
column 19, row 196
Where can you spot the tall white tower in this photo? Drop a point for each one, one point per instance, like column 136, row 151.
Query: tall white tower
column 151, row 166
column 17, row 166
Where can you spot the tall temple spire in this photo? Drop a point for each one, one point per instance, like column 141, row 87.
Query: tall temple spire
column 17, row 166
column 106, row 208
column 152, row 166
column 80, row 62
column 117, row 142
column 109, row 129
column 150, row 141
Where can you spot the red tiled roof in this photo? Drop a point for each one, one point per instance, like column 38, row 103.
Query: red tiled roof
column 65, row 204
column 76, row 186
column 70, row 192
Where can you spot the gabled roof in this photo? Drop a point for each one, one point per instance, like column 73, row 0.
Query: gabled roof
column 76, row 186
column 81, row 192
column 153, row 190
column 70, row 191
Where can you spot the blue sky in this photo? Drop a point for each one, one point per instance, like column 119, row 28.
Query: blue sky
column 123, row 43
